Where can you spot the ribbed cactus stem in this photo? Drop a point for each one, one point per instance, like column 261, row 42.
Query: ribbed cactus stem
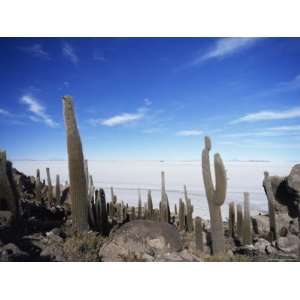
column 215, row 196
column 150, row 205
column 188, row 211
column 198, row 234
column 231, row 219
column 86, row 172
column 271, row 203
column 247, row 231
column 6, row 191
column 164, row 203
column 175, row 209
column 139, row 204
column 57, row 189
column 112, row 193
column 181, row 215
column 103, row 213
column 38, row 187
column 78, row 184
column 239, row 222
column 50, row 187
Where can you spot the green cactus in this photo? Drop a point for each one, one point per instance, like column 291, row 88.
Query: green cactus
column 215, row 196
column 78, row 184
column 271, row 203
column 188, row 212
column 38, row 187
column 198, row 235
column 231, row 220
column 247, row 231
column 139, row 216
column 175, row 209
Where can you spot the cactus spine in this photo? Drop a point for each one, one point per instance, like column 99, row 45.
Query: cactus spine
column 271, row 201
column 215, row 196
column 50, row 187
column 239, row 222
column 78, row 184
column 231, row 220
column 198, row 234
column 247, row 234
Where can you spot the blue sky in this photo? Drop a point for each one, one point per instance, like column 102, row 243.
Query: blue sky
column 152, row 98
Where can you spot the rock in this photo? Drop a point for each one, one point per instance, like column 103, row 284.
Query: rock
column 6, row 217
column 261, row 225
column 293, row 180
column 132, row 240
column 54, row 237
column 54, row 252
column 263, row 246
column 283, row 231
column 10, row 251
column 289, row 244
column 248, row 250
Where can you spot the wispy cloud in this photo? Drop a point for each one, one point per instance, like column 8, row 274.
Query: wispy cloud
column 38, row 111
column 36, row 50
column 147, row 102
column 69, row 52
column 189, row 133
column 99, row 57
column 285, row 128
column 5, row 113
column 224, row 47
column 269, row 115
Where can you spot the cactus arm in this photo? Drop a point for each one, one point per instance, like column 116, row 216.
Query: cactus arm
column 206, row 174
column 221, row 184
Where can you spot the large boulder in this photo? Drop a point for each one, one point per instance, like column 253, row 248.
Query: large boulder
column 139, row 240
column 289, row 244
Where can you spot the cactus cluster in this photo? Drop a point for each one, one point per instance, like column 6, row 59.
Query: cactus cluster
column 215, row 196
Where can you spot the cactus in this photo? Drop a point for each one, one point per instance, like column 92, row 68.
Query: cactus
column 215, row 196
column 139, row 216
column 239, row 223
column 150, row 205
column 247, row 232
column 112, row 194
column 78, row 184
column 38, row 187
column 181, row 215
column 188, row 212
column 198, row 234
column 8, row 194
column 50, row 187
column 271, row 202
column 164, row 203
column 103, row 213
column 57, row 190
column 86, row 173
column 132, row 213
column 231, row 220
column 175, row 209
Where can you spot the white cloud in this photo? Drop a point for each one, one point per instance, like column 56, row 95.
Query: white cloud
column 5, row 113
column 122, row 119
column 36, row 50
column 226, row 46
column 269, row 115
column 147, row 102
column 285, row 128
column 69, row 52
column 38, row 110
column 189, row 132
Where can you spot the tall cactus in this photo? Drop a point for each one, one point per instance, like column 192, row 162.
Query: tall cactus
column 139, row 204
column 150, row 205
column 271, row 202
column 247, row 232
column 239, row 222
column 78, row 184
column 164, row 203
column 181, row 215
column 8, row 195
column 188, row 211
column 198, row 234
column 215, row 196
column 50, row 187
column 57, row 189
column 231, row 219
column 38, row 187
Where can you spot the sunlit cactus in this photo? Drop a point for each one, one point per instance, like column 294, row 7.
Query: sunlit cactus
column 50, row 187
column 271, row 203
column 188, row 211
column 181, row 215
column 231, row 220
column 215, row 196
column 8, row 196
column 247, row 231
column 164, row 203
column 78, row 184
